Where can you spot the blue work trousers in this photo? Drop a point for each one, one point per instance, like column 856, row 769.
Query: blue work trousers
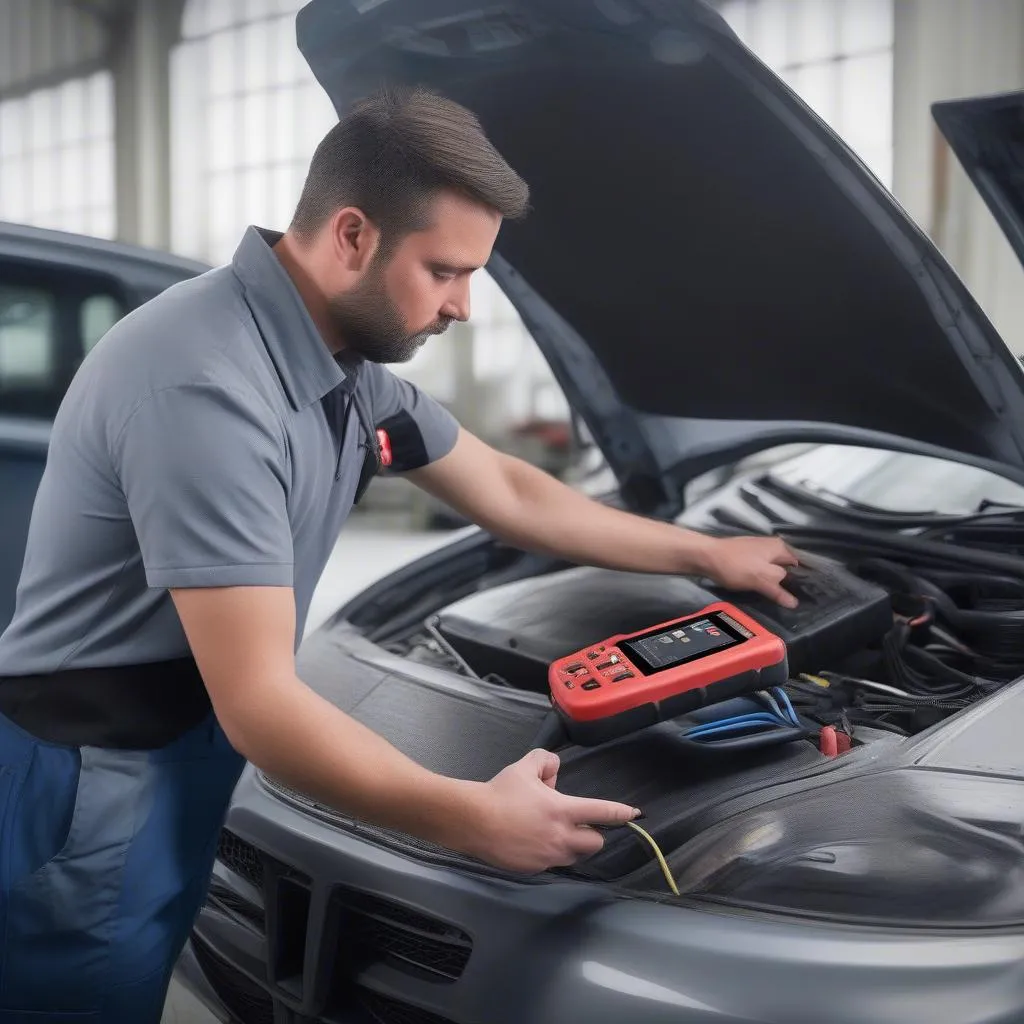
column 105, row 858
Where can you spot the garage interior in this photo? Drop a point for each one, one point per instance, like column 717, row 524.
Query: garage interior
column 173, row 124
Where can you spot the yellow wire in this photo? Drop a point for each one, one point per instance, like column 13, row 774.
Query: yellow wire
column 657, row 852
column 817, row 680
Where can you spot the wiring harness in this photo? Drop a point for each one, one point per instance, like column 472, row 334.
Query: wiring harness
column 957, row 589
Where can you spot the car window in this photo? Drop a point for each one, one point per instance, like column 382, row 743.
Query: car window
column 28, row 338
column 51, row 316
column 99, row 313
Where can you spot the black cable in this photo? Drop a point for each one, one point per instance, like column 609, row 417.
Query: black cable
column 843, row 508
column 735, row 524
column 751, row 498
column 901, row 548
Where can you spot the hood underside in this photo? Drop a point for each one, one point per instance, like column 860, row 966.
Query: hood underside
column 707, row 268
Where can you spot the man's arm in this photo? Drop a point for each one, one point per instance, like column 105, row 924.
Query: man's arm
column 533, row 510
column 242, row 639
column 204, row 472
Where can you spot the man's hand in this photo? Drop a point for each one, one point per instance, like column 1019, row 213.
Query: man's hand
column 527, row 826
column 751, row 563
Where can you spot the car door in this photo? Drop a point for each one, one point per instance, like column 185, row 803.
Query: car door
column 51, row 314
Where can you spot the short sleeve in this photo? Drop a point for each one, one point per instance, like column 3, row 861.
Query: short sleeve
column 420, row 429
column 203, row 470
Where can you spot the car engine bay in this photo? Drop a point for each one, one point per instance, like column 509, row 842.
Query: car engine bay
column 905, row 619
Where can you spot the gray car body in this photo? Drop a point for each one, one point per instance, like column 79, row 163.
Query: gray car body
column 551, row 950
column 555, row 949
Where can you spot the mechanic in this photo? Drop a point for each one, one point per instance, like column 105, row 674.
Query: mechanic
column 201, row 467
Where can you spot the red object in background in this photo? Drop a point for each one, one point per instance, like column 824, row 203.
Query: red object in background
column 384, row 442
column 556, row 434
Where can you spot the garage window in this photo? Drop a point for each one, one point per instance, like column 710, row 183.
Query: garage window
column 837, row 56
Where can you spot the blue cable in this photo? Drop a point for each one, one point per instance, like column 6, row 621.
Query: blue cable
column 787, row 704
column 784, row 716
column 733, row 724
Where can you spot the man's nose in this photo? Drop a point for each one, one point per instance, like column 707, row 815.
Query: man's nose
column 457, row 305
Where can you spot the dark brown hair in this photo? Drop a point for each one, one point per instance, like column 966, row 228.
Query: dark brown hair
column 393, row 152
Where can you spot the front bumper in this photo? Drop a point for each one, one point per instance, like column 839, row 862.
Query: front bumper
column 351, row 931
column 190, row 975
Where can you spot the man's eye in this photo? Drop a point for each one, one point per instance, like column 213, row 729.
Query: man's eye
column 444, row 275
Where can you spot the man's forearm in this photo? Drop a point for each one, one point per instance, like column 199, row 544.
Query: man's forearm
column 297, row 737
column 546, row 515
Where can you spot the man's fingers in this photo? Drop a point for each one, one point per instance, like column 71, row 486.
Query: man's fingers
column 545, row 763
column 586, row 841
column 583, row 811
column 786, row 555
column 780, row 595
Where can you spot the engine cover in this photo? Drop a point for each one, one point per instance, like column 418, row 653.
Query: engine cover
column 515, row 631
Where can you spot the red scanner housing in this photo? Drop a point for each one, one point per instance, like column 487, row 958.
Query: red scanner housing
column 634, row 680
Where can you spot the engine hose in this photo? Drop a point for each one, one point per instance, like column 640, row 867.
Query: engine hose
column 981, row 587
column 909, row 548
column 992, row 527
column 996, row 638
column 867, row 515
column 919, row 671
column 938, row 677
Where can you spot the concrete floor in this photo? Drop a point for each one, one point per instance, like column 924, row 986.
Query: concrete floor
column 363, row 554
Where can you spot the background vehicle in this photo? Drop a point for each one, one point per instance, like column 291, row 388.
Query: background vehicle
column 59, row 294
column 772, row 293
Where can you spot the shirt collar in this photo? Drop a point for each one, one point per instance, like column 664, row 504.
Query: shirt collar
column 305, row 365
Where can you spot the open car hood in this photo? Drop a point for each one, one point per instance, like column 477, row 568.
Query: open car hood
column 707, row 268
column 987, row 136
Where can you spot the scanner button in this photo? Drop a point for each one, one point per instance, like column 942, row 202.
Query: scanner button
column 610, row 663
column 622, row 675
column 569, row 684
column 592, row 684
column 574, row 667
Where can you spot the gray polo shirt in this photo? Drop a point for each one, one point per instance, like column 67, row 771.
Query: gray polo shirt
column 209, row 440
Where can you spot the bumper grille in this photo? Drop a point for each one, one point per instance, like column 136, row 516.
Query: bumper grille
column 377, row 927
column 389, row 1011
column 224, row 898
column 244, row 1000
column 241, row 857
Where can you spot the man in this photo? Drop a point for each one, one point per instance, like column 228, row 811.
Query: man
column 201, row 466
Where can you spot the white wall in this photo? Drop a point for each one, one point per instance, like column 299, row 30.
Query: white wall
column 947, row 49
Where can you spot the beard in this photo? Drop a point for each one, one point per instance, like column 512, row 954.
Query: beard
column 370, row 324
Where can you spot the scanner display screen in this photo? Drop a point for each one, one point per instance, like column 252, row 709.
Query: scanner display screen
column 682, row 642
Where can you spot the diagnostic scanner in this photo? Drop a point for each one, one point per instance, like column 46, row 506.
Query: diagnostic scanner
column 634, row 680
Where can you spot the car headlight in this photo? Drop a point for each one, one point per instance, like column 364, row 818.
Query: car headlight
column 905, row 846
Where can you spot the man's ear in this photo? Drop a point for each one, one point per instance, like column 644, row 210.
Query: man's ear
column 356, row 238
